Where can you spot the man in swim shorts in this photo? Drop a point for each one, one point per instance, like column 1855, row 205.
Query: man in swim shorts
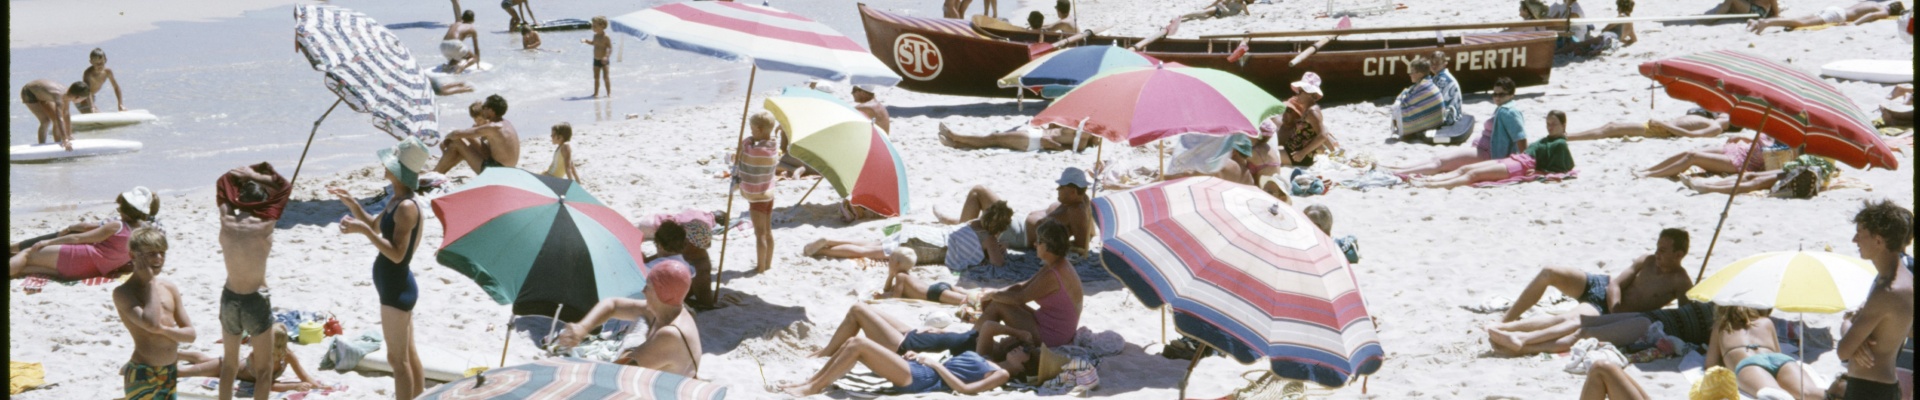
column 1871, row 346
column 459, row 56
column 1649, row 283
column 1020, row 138
column 150, row 309
column 1856, row 14
column 491, row 142
column 250, row 201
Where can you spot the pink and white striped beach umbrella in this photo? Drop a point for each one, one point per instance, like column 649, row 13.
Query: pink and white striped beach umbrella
column 771, row 39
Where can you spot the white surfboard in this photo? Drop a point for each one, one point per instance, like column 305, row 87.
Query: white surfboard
column 441, row 69
column 435, row 363
column 1880, row 71
column 100, row 120
column 26, row 153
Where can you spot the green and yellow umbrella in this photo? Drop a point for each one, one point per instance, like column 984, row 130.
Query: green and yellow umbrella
column 1790, row 281
column 848, row 150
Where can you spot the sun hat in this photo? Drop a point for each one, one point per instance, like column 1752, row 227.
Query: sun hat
column 1718, row 384
column 699, row 234
column 405, row 160
column 1051, row 363
column 1074, row 176
column 670, row 280
column 1309, row 83
column 141, row 198
column 1242, row 144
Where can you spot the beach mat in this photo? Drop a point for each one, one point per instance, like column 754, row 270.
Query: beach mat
column 33, row 284
column 1022, row 266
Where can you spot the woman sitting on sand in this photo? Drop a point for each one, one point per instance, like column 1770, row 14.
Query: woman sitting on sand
column 970, row 244
column 1727, row 158
column 87, row 249
column 1301, row 130
column 207, row 365
column 1501, row 136
column 1744, row 341
column 1056, row 287
column 865, row 325
column 1550, row 155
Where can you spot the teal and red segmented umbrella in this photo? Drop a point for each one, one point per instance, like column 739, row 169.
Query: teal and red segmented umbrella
column 537, row 242
column 1139, row 105
column 1776, row 99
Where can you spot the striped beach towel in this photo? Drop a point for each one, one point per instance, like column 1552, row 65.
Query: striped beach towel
column 1418, row 108
column 754, row 170
column 33, row 284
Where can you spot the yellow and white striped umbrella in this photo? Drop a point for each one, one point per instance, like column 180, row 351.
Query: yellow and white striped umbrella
column 1790, row 281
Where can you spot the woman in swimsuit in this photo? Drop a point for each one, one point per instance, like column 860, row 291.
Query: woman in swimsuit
column 86, row 250
column 966, row 373
column 1723, row 159
column 1743, row 340
column 1056, row 287
column 868, row 324
column 208, row 365
column 1301, row 130
column 398, row 236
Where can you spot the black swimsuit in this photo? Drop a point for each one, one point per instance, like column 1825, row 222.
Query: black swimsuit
column 394, row 281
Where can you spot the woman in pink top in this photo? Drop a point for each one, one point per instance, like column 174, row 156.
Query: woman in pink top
column 1056, row 288
column 86, row 250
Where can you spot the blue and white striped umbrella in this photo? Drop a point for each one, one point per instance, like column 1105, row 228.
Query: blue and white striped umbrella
column 369, row 68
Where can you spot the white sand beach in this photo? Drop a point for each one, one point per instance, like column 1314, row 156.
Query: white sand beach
column 1425, row 252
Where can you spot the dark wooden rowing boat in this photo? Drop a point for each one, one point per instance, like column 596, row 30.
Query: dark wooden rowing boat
column 923, row 50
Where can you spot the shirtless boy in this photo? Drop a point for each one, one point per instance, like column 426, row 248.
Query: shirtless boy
column 94, row 76
column 1882, row 230
column 602, row 48
column 459, row 56
column 49, row 104
column 491, row 142
column 1648, row 284
column 246, row 238
column 150, row 309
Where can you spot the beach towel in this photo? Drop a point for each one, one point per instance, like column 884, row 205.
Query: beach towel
column 1532, row 176
column 1371, row 179
column 227, row 193
column 24, row 376
column 1418, row 109
column 1022, row 266
column 344, row 354
column 34, row 283
column 1587, row 351
column 755, row 168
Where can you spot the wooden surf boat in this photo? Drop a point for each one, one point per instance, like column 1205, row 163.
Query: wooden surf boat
column 924, row 50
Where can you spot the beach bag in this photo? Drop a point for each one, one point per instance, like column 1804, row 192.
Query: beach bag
column 1804, row 177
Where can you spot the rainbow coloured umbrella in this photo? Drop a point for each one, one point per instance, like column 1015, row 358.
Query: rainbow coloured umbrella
column 538, row 242
column 1245, row 273
column 573, row 378
column 1781, row 101
column 848, row 150
column 1057, row 72
column 1140, row 105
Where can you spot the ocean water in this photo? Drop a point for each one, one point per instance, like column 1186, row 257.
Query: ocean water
column 234, row 91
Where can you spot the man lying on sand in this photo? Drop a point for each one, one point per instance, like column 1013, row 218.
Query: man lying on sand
column 972, row 243
column 1020, row 138
column 491, row 142
column 673, row 341
column 1649, row 283
column 1218, row 9
column 1550, row 155
column 1698, row 123
column 1859, row 13
column 150, row 309
column 892, row 334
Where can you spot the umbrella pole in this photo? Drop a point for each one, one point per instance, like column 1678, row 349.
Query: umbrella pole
column 745, row 104
column 316, row 130
column 1198, row 353
column 1723, row 211
column 507, row 341
column 803, row 197
column 555, row 322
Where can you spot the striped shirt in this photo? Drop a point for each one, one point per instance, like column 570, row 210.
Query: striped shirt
column 754, row 168
column 963, row 248
column 1449, row 96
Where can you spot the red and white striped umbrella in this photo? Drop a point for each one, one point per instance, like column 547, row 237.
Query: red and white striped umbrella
column 772, row 39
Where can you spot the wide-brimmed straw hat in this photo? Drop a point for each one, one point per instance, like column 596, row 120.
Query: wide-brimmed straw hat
column 1309, row 83
column 405, row 160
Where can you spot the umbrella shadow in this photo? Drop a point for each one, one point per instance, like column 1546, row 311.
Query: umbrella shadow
column 808, row 214
column 745, row 316
column 417, row 25
column 968, row 110
column 315, row 212
column 1168, row 372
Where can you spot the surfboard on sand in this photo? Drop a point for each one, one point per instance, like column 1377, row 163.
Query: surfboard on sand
column 28, row 153
column 437, row 364
column 1880, row 71
column 440, row 70
column 100, row 120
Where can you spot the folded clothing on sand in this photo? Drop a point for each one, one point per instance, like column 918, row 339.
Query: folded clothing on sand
column 345, row 353
column 227, row 193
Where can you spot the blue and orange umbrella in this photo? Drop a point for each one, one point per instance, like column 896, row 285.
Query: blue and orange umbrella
column 539, row 242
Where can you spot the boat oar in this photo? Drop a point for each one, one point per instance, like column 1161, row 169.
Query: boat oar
column 1315, row 49
column 1555, row 23
column 1034, row 50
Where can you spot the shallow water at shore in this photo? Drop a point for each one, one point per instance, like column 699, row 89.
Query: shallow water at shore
column 234, row 92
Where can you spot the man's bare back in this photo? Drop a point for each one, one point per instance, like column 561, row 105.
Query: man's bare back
column 1888, row 318
column 503, row 143
column 245, row 242
column 459, row 30
column 154, row 303
column 1649, row 287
